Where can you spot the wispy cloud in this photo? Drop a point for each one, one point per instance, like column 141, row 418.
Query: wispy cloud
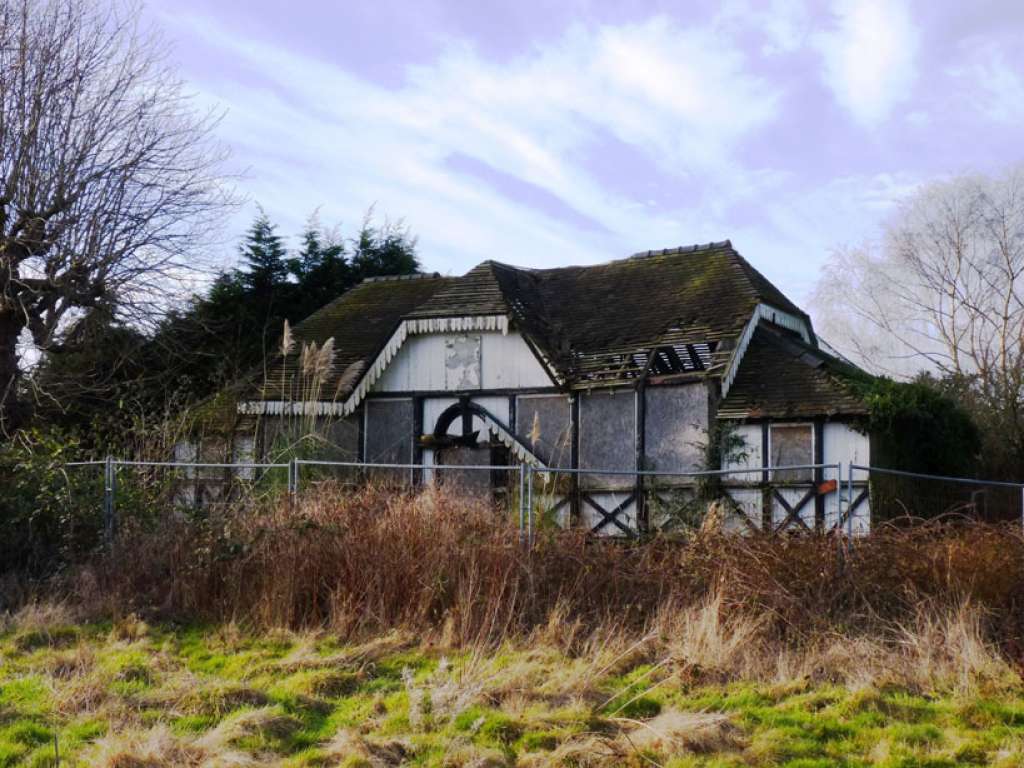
column 991, row 83
column 437, row 147
column 598, row 130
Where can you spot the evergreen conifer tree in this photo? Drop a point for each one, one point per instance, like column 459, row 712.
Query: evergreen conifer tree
column 264, row 258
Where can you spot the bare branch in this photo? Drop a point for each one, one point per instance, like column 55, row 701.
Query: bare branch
column 109, row 179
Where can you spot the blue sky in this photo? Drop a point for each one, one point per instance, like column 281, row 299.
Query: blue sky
column 546, row 133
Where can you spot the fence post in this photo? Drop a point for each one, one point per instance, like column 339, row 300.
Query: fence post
column 849, row 507
column 293, row 479
column 522, row 500
column 529, row 506
column 840, row 497
column 108, row 500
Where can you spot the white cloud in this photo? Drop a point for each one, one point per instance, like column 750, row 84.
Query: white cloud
column 869, row 57
column 682, row 97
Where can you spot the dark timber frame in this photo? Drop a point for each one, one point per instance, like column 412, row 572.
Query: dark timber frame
column 417, row 430
column 640, row 452
column 578, row 498
column 819, row 474
column 576, row 508
column 767, row 513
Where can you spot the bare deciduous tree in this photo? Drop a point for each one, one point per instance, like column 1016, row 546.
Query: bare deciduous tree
column 108, row 176
column 945, row 292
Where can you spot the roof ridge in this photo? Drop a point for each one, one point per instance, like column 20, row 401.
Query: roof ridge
column 714, row 245
column 395, row 278
column 492, row 263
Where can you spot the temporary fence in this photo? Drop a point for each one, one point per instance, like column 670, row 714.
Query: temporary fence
column 845, row 499
column 149, row 487
column 898, row 496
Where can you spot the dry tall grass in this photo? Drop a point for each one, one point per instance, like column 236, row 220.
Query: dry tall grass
column 454, row 571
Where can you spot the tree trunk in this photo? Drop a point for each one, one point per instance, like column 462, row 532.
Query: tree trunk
column 12, row 410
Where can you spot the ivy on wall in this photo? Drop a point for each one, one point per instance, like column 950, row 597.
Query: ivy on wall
column 917, row 428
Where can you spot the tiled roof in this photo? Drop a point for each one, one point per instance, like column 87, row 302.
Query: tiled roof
column 780, row 376
column 597, row 325
column 478, row 292
column 598, row 322
column 360, row 321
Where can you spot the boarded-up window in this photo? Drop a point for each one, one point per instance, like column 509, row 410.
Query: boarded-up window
column 675, row 426
column 244, row 448
column 543, row 422
column 462, row 362
column 343, row 438
column 185, row 452
column 791, row 445
column 608, row 436
column 213, row 450
column 476, row 482
column 389, row 427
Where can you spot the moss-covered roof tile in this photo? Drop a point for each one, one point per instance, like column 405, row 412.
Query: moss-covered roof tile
column 780, row 376
column 596, row 324
column 360, row 322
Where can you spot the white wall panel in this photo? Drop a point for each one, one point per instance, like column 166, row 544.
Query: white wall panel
column 749, row 503
column 509, row 363
column 751, row 436
column 544, row 501
column 670, row 507
column 244, row 452
column 844, row 444
column 506, row 362
column 496, row 405
column 793, row 497
column 841, row 445
column 433, row 407
column 590, row 517
column 418, row 366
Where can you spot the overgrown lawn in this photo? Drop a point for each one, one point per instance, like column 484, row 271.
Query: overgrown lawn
column 128, row 694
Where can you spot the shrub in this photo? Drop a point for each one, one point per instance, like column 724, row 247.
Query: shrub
column 918, row 428
column 49, row 515
column 366, row 561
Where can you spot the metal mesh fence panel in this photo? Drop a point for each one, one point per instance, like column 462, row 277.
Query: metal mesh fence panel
column 893, row 496
column 799, row 499
column 143, row 491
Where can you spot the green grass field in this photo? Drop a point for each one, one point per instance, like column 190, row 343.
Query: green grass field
column 135, row 696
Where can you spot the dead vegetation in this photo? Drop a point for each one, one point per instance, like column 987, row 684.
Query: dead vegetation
column 364, row 563
column 378, row 629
